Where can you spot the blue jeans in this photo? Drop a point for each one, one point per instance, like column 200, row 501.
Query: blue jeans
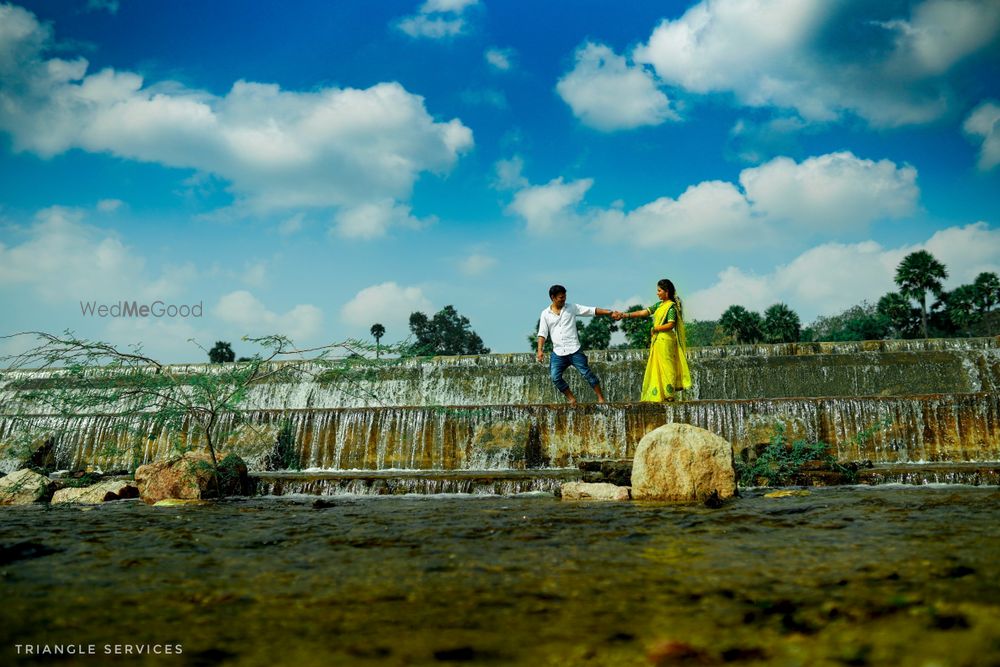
column 558, row 365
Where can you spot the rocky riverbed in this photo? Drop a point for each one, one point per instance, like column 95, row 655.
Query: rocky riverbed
column 840, row 576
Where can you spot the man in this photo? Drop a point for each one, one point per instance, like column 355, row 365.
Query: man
column 558, row 322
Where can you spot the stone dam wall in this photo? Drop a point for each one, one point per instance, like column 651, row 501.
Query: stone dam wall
column 914, row 401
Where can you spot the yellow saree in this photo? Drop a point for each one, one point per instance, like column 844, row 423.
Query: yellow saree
column 666, row 369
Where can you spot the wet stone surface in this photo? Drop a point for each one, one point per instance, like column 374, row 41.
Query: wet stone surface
column 841, row 576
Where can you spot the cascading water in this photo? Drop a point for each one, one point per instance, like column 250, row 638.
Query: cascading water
column 917, row 401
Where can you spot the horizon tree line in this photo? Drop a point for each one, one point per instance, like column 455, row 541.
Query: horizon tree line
column 908, row 312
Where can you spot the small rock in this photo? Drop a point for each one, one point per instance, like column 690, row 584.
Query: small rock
column 98, row 493
column 589, row 491
column 178, row 502
column 677, row 653
column 24, row 487
column 786, row 493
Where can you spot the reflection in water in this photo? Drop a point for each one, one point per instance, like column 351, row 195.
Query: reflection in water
column 851, row 576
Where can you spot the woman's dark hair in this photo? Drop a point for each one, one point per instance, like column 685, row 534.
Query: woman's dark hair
column 668, row 287
column 556, row 290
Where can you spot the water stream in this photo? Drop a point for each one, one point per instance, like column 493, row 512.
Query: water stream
column 845, row 576
column 889, row 402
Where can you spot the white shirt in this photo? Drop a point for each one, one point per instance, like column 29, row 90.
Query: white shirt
column 561, row 328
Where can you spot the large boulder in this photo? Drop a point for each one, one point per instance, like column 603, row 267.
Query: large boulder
column 96, row 494
column 191, row 476
column 683, row 463
column 593, row 491
column 24, row 487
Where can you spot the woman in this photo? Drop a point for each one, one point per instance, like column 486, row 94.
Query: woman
column 667, row 371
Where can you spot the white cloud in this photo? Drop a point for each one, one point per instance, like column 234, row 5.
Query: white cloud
column 984, row 122
column 500, row 59
column 457, row 6
column 437, row 19
column 110, row 205
column 110, row 6
column 374, row 220
column 243, row 309
column 733, row 286
column 62, row 260
column 966, row 251
column 255, row 273
column 432, row 27
column 790, row 54
column 834, row 276
column 291, row 225
column 550, row 208
column 166, row 340
column 476, row 264
column 823, row 194
column 941, row 33
column 607, row 93
column 277, row 149
column 635, row 299
column 509, row 174
column 711, row 213
column 833, row 190
column 387, row 303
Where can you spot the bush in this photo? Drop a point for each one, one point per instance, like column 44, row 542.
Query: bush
column 780, row 463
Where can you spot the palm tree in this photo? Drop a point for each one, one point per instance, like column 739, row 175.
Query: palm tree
column 987, row 291
column 918, row 274
column 781, row 324
column 898, row 310
column 377, row 331
column 742, row 324
column 960, row 306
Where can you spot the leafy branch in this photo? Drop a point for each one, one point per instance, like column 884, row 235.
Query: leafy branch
column 87, row 377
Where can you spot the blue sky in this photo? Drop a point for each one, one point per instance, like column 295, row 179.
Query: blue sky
column 311, row 168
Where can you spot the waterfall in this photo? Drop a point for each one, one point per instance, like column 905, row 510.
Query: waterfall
column 961, row 427
column 873, row 368
column 915, row 401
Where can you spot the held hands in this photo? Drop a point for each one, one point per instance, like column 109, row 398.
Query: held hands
column 617, row 315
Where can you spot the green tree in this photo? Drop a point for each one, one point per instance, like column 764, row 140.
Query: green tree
column 149, row 397
column 902, row 317
column 636, row 329
column 596, row 334
column 918, row 274
column 960, row 307
column 987, row 291
column 700, row 333
column 743, row 325
column 860, row 322
column 377, row 332
column 533, row 339
column 221, row 353
column 447, row 333
column 781, row 324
